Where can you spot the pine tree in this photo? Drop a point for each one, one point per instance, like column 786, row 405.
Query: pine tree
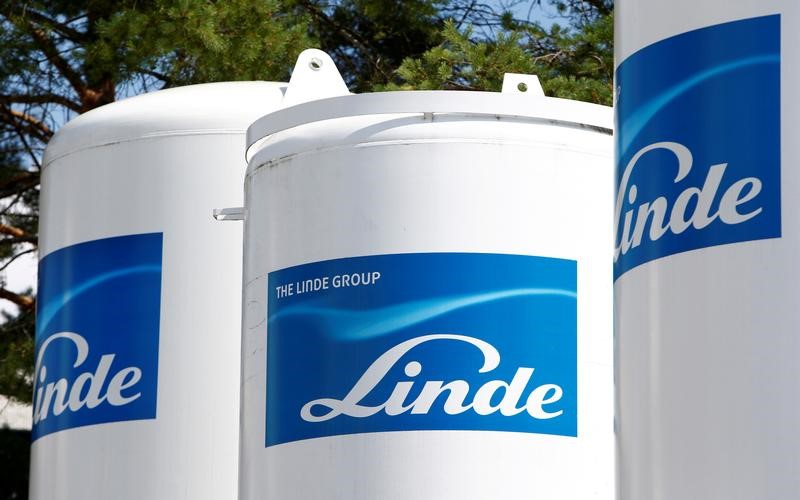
column 573, row 61
column 60, row 58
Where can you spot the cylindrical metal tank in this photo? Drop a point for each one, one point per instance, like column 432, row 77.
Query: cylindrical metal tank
column 428, row 297
column 137, row 363
column 706, row 279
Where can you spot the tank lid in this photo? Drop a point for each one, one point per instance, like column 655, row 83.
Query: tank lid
column 478, row 104
column 219, row 108
column 316, row 92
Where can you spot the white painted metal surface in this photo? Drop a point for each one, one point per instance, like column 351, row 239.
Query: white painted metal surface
column 153, row 164
column 707, row 325
column 415, row 177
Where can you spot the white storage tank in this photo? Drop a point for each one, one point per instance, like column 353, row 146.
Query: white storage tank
column 427, row 295
column 707, row 284
column 139, row 305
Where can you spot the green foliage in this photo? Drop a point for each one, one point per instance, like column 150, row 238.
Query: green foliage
column 190, row 41
column 574, row 62
column 581, row 60
column 460, row 63
column 160, row 42
column 369, row 39
column 16, row 355
column 59, row 58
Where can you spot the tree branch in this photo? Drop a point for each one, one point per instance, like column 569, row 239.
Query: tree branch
column 349, row 34
column 62, row 28
column 14, row 231
column 40, row 99
column 33, row 240
column 53, row 55
column 600, row 6
column 23, row 301
column 18, row 183
column 30, row 150
column 7, row 209
column 24, row 177
column 155, row 74
column 14, row 257
column 23, row 121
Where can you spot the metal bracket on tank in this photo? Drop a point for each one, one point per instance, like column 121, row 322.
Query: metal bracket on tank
column 519, row 83
column 315, row 76
column 317, row 92
column 232, row 213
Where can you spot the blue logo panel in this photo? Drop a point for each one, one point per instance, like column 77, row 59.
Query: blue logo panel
column 97, row 333
column 698, row 142
column 432, row 341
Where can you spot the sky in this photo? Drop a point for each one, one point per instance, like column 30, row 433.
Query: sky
column 544, row 14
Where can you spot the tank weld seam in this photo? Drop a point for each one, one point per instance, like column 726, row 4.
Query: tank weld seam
column 152, row 135
column 429, row 117
column 559, row 146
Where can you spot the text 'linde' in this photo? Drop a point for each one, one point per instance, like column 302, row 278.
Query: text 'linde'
column 88, row 389
column 458, row 391
column 652, row 219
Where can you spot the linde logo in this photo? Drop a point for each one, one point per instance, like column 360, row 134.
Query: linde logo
column 459, row 396
column 440, row 341
column 88, row 389
column 698, row 142
column 97, row 333
column 693, row 207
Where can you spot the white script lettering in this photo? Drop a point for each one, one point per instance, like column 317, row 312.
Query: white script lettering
column 630, row 227
column 457, row 392
column 87, row 388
